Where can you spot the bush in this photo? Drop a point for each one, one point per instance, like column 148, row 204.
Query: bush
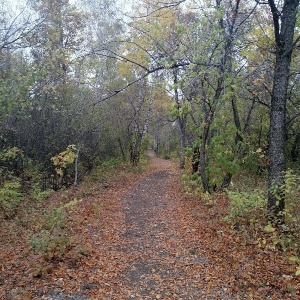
column 11, row 160
column 38, row 194
column 10, row 197
column 250, row 207
column 292, row 208
column 111, row 163
column 51, row 245
column 53, row 240
column 247, row 206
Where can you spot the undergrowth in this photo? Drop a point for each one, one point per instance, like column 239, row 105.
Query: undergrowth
column 45, row 218
column 53, row 240
column 10, row 197
column 248, row 196
column 247, row 211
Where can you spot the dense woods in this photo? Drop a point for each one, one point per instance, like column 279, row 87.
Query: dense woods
column 211, row 84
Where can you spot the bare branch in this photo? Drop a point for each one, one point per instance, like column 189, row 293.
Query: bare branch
column 149, row 71
column 162, row 6
column 119, row 57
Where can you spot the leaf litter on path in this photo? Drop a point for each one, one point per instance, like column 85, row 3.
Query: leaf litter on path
column 146, row 239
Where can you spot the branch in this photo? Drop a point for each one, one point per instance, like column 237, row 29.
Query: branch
column 165, row 5
column 261, row 2
column 296, row 42
column 119, row 57
column 22, row 31
column 159, row 46
column 257, row 99
column 140, row 47
column 246, row 17
column 276, row 15
column 149, row 71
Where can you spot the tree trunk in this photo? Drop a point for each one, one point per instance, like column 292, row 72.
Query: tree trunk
column 208, row 119
column 228, row 57
column 76, row 163
column 135, row 146
column 277, row 138
column 182, row 127
column 122, row 150
column 140, row 134
column 203, row 158
column 195, row 159
column 284, row 26
column 181, row 122
column 238, row 141
column 226, row 66
column 147, row 119
column 295, row 151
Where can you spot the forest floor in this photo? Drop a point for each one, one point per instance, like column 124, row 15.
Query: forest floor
column 139, row 236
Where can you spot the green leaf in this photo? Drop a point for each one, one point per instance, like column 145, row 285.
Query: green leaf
column 269, row 228
column 294, row 258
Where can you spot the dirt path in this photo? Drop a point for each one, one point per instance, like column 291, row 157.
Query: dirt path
column 161, row 268
column 159, row 271
column 144, row 239
column 142, row 249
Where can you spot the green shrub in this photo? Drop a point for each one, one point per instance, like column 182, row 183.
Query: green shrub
column 11, row 160
column 38, row 194
column 296, row 259
column 292, row 207
column 10, row 197
column 250, row 207
column 246, row 205
column 53, row 240
column 55, row 220
column 52, row 245
column 192, row 184
column 111, row 162
column 221, row 153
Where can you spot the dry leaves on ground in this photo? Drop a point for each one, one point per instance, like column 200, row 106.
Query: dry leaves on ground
column 141, row 237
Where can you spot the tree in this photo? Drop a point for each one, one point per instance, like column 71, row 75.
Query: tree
column 16, row 24
column 284, row 21
column 215, row 86
column 54, row 49
column 138, row 100
column 159, row 37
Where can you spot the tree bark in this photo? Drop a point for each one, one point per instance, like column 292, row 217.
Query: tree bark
column 182, row 128
column 295, row 151
column 238, row 141
column 121, row 148
column 228, row 57
column 284, row 26
column 140, row 128
column 203, row 158
column 79, row 146
column 181, row 122
column 209, row 115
